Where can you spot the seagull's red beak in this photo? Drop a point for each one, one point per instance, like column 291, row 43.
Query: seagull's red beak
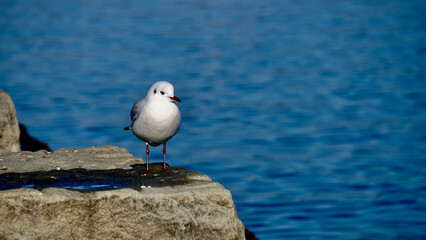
column 174, row 98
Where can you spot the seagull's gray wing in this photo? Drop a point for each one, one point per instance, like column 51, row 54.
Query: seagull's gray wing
column 136, row 110
column 134, row 113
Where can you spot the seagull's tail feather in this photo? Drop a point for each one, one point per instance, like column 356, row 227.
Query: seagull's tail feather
column 128, row 128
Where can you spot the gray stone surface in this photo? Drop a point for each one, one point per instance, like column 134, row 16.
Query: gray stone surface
column 9, row 128
column 177, row 204
column 100, row 157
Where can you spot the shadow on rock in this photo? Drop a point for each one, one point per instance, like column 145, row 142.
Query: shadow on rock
column 89, row 180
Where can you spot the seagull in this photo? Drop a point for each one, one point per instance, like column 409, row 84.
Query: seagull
column 156, row 118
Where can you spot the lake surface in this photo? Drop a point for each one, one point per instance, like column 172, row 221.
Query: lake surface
column 313, row 113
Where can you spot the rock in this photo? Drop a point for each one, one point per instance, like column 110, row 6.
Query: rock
column 250, row 235
column 177, row 204
column 100, row 157
column 9, row 128
column 29, row 143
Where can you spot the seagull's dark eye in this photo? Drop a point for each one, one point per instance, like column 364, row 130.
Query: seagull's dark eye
column 155, row 91
column 162, row 93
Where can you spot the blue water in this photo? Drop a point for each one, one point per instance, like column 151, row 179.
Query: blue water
column 313, row 113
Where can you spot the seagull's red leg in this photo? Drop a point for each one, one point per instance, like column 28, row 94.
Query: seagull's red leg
column 164, row 157
column 147, row 159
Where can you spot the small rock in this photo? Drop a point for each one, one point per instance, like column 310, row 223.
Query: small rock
column 9, row 128
column 29, row 143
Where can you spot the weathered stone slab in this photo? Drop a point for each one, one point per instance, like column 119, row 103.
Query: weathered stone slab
column 9, row 128
column 100, row 157
column 177, row 204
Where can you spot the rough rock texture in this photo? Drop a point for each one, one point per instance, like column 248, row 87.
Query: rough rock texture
column 9, row 128
column 100, row 157
column 177, row 204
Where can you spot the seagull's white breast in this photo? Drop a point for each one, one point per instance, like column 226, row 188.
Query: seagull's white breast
column 157, row 122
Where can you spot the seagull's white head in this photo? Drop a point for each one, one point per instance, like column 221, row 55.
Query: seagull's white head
column 162, row 90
